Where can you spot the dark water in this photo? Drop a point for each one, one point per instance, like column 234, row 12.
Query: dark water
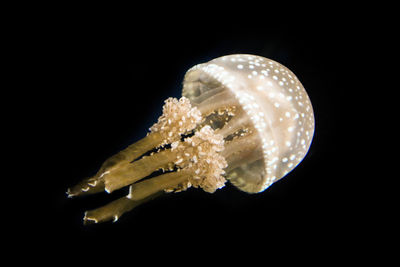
column 106, row 87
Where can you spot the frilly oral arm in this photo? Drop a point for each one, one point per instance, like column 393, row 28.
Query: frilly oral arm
column 120, row 160
column 196, row 159
column 178, row 118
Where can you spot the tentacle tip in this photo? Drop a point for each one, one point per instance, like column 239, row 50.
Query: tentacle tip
column 129, row 193
column 92, row 183
column 89, row 220
column 69, row 193
column 107, row 187
column 85, row 189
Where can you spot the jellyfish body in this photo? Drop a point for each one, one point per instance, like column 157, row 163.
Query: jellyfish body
column 243, row 118
column 274, row 102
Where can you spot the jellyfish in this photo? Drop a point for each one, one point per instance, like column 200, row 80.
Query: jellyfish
column 242, row 118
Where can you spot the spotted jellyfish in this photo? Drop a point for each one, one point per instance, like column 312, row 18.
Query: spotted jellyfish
column 241, row 118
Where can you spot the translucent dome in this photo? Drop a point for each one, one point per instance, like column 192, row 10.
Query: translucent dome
column 274, row 101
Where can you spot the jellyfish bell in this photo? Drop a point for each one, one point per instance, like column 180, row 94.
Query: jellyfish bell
column 275, row 106
column 242, row 118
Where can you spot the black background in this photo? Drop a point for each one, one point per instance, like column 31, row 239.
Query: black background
column 102, row 80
